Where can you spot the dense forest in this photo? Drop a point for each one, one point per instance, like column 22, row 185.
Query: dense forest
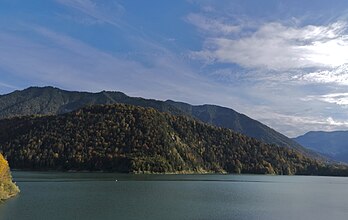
column 7, row 187
column 127, row 138
column 53, row 101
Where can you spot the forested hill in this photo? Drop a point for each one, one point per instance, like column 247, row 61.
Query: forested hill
column 7, row 187
column 127, row 138
column 228, row 118
column 51, row 101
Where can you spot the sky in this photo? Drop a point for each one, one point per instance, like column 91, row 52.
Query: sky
column 284, row 63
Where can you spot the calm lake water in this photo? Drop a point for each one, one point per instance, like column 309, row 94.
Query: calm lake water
column 60, row 196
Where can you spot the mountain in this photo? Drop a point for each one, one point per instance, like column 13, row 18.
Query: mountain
column 228, row 118
column 126, row 138
column 7, row 187
column 333, row 144
column 51, row 101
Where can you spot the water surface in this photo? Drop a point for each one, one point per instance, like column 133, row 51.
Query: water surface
column 53, row 195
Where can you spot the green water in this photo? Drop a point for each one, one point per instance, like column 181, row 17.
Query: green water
column 98, row 196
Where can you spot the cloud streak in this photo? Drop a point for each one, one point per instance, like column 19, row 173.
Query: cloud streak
column 59, row 60
column 215, row 26
column 104, row 12
column 340, row 99
column 275, row 46
column 295, row 125
column 338, row 76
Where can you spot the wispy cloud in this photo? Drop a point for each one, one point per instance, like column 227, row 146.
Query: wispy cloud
column 338, row 75
column 295, row 125
column 102, row 11
column 68, row 62
column 281, row 67
column 60, row 60
column 213, row 26
column 277, row 46
column 340, row 99
column 333, row 122
column 6, row 85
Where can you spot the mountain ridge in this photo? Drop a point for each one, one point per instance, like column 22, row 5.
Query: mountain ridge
column 128, row 138
column 51, row 101
column 236, row 121
column 333, row 144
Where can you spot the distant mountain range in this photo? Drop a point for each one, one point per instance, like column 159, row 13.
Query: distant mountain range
column 127, row 138
column 332, row 144
column 52, row 101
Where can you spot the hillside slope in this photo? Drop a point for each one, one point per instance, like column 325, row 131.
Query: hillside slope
column 127, row 138
column 333, row 144
column 51, row 101
column 228, row 118
column 7, row 187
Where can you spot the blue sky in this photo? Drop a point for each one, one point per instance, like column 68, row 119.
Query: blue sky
column 284, row 63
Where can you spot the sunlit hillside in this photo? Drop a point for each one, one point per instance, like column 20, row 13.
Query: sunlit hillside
column 7, row 187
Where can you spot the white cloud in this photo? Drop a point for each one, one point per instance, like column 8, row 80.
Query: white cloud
column 333, row 122
column 279, row 47
column 333, row 98
column 337, row 75
column 295, row 125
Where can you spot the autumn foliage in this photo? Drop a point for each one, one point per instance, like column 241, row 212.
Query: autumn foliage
column 7, row 187
column 126, row 138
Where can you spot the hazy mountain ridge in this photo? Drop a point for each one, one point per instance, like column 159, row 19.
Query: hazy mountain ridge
column 50, row 101
column 333, row 144
column 127, row 138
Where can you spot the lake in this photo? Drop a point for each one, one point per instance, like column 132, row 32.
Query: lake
column 54, row 195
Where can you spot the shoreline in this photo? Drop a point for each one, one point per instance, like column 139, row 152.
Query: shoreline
column 168, row 173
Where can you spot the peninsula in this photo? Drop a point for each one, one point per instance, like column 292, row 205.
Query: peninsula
column 7, row 188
